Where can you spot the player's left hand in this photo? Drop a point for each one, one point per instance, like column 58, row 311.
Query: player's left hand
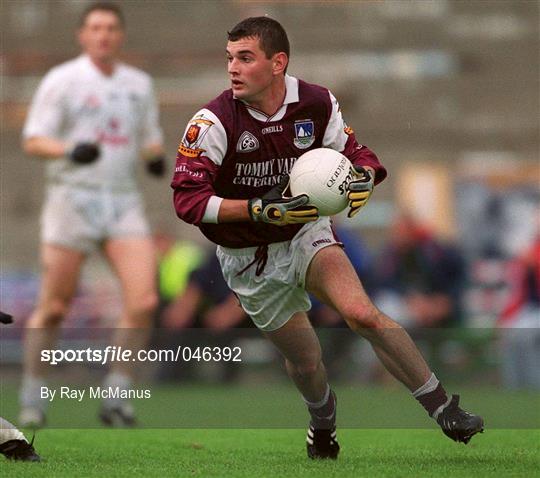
column 359, row 190
column 156, row 166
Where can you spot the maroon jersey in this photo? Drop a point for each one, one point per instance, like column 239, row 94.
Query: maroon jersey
column 233, row 151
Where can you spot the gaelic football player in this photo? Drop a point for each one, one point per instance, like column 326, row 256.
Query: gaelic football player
column 231, row 170
column 92, row 119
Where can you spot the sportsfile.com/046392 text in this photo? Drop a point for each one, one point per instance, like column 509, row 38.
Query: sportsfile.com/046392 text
column 119, row 354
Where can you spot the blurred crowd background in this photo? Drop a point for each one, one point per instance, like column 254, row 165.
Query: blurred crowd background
column 447, row 94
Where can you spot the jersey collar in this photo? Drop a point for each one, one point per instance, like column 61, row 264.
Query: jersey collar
column 291, row 96
column 291, row 91
column 85, row 60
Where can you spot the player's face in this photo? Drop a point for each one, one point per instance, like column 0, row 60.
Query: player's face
column 102, row 35
column 250, row 72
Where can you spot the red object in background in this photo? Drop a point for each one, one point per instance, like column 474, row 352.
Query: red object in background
column 523, row 277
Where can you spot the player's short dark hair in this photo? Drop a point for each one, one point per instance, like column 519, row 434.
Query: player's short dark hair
column 272, row 36
column 102, row 6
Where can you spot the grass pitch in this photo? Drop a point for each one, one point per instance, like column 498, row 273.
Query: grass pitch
column 262, row 434
column 277, row 453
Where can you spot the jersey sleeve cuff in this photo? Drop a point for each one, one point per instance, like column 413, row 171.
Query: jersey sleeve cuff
column 212, row 210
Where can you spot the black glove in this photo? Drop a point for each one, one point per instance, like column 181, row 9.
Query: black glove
column 275, row 209
column 359, row 190
column 156, row 166
column 84, row 153
column 5, row 318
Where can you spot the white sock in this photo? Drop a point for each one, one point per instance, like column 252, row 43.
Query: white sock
column 30, row 395
column 320, row 403
column 120, row 380
column 9, row 432
column 429, row 386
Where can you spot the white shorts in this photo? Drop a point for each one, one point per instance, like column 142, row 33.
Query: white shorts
column 273, row 297
column 82, row 218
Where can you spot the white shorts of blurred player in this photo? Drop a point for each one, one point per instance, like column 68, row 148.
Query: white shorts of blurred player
column 273, row 297
column 81, row 218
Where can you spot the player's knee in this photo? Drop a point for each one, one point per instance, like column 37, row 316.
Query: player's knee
column 50, row 313
column 364, row 317
column 140, row 313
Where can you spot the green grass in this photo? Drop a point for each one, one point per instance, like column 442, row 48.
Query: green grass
column 259, row 431
column 277, row 453
column 278, row 405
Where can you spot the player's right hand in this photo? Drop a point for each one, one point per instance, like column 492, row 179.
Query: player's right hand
column 276, row 209
column 84, row 153
column 5, row 318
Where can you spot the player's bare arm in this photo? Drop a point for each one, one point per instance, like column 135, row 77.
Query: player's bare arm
column 50, row 148
column 45, row 148
column 233, row 210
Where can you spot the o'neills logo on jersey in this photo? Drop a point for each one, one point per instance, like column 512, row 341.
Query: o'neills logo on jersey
column 304, row 131
column 247, row 143
column 272, row 129
column 197, row 129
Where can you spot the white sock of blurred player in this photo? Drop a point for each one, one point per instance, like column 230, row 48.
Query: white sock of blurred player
column 116, row 380
column 14, row 445
column 36, row 339
column 33, row 407
column 121, row 374
column 117, row 411
column 8, row 432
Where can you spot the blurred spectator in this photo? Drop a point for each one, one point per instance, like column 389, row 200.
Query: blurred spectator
column 419, row 277
column 176, row 261
column 419, row 280
column 521, row 321
column 205, row 303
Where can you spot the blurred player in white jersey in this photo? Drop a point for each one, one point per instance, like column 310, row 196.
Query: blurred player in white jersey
column 230, row 180
column 92, row 119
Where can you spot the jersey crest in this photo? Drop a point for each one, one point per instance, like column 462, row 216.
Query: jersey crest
column 196, row 131
column 304, row 131
column 247, row 143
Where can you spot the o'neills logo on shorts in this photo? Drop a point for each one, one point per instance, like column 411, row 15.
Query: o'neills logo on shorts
column 321, row 241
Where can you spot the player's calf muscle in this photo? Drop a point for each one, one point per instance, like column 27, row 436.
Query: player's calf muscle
column 304, row 369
